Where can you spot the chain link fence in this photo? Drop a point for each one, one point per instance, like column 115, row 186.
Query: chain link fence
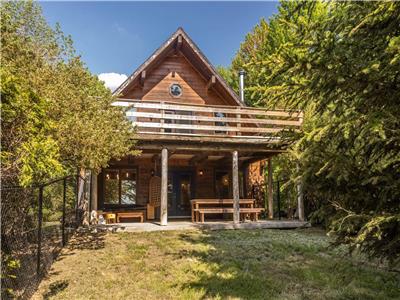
column 35, row 224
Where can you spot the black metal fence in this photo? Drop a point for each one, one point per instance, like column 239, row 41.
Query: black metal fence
column 284, row 195
column 36, row 223
column 285, row 199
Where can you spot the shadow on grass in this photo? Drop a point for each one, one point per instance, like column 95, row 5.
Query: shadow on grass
column 86, row 240
column 233, row 270
column 263, row 264
column 55, row 288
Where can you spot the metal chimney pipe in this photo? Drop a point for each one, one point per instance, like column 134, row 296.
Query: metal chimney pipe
column 241, row 85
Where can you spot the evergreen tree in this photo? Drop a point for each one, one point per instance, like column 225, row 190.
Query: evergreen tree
column 340, row 62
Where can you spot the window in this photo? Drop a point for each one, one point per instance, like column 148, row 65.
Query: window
column 222, row 184
column 220, row 115
column 131, row 114
column 175, row 90
column 120, row 186
column 184, row 122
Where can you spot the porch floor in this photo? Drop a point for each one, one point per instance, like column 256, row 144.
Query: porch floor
column 210, row 225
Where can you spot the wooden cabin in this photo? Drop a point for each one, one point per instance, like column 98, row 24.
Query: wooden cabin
column 198, row 139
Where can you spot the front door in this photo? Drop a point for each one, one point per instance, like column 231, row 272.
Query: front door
column 180, row 192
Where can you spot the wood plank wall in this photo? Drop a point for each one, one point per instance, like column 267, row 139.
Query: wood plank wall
column 176, row 69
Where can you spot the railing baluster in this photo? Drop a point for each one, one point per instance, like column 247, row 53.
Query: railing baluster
column 162, row 120
column 238, row 124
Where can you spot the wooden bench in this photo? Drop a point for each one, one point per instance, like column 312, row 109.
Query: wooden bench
column 253, row 212
column 216, row 203
column 131, row 214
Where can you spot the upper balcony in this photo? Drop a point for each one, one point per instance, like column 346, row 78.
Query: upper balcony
column 191, row 123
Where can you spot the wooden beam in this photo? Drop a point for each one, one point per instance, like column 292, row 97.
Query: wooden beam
column 179, row 43
column 270, row 191
column 207, row 127
column 300, row 201
column 235, row 187
column 142, row 78
column 204, row 138
column 211, row 82
column 209, row 108
column 207, row 147
column 198, row 158
column 257, row 121
column 164, row 187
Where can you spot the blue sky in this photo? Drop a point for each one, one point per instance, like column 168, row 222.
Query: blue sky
column 116, row 37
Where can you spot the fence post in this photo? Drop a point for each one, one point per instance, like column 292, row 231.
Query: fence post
column 39, row 237
column 278, row 196
column 76, row 201
column 90, row 196
column 63, row 211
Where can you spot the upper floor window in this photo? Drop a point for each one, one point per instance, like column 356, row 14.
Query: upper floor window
column 175, row 90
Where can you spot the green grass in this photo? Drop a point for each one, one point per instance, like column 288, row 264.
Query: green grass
column 232, row 264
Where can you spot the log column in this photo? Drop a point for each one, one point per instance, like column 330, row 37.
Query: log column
column 270, row 191
column 164, row 187
column 235, row 187
column 300, row 201
column 93, row 205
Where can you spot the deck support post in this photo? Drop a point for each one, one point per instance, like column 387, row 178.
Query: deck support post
column 300, row 201
column 164, row 187
column 270, row 191
column 93, row 183
column 235, row 187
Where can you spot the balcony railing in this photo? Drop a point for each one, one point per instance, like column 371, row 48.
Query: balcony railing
column 178, row 119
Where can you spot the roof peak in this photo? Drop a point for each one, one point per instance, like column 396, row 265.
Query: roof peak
column 164, row 47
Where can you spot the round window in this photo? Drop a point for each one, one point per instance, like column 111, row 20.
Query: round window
column 175, row 90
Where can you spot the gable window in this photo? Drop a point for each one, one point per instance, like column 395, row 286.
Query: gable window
column 120, row 186
column 175, row 90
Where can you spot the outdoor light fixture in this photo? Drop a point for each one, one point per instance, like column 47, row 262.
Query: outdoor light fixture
column 108, row 176
column 152, row 172
column 201, row 173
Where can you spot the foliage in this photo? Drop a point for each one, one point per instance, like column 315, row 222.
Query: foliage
column 57, row 116
column 8, row 267
column 340, row 62
column 27, row 145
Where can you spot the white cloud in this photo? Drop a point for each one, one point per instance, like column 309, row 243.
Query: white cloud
column 112, row 80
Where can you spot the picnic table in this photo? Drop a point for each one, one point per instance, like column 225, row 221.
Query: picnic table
column 202, row 206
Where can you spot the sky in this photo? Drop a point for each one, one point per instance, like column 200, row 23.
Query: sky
column 114, row 38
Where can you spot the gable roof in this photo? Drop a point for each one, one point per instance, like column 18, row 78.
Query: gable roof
column 190, row 50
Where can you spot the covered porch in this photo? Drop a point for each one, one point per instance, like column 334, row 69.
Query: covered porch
column 196, row 152
column 195, row 186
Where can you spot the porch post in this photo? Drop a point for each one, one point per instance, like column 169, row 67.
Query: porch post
column 300, row 202
column 164, row 187
column 93, row 205
column 235, row 187
column 270, row 191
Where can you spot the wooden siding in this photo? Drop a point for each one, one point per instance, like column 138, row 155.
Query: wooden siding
column 204, row 185
column 176, row 69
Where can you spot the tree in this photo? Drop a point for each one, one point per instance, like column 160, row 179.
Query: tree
column 57, row 116
column 340, row 61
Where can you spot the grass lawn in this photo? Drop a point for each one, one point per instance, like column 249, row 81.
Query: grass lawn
column 231, row 264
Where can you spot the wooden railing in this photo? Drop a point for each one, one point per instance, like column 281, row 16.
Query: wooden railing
column 171, row 118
